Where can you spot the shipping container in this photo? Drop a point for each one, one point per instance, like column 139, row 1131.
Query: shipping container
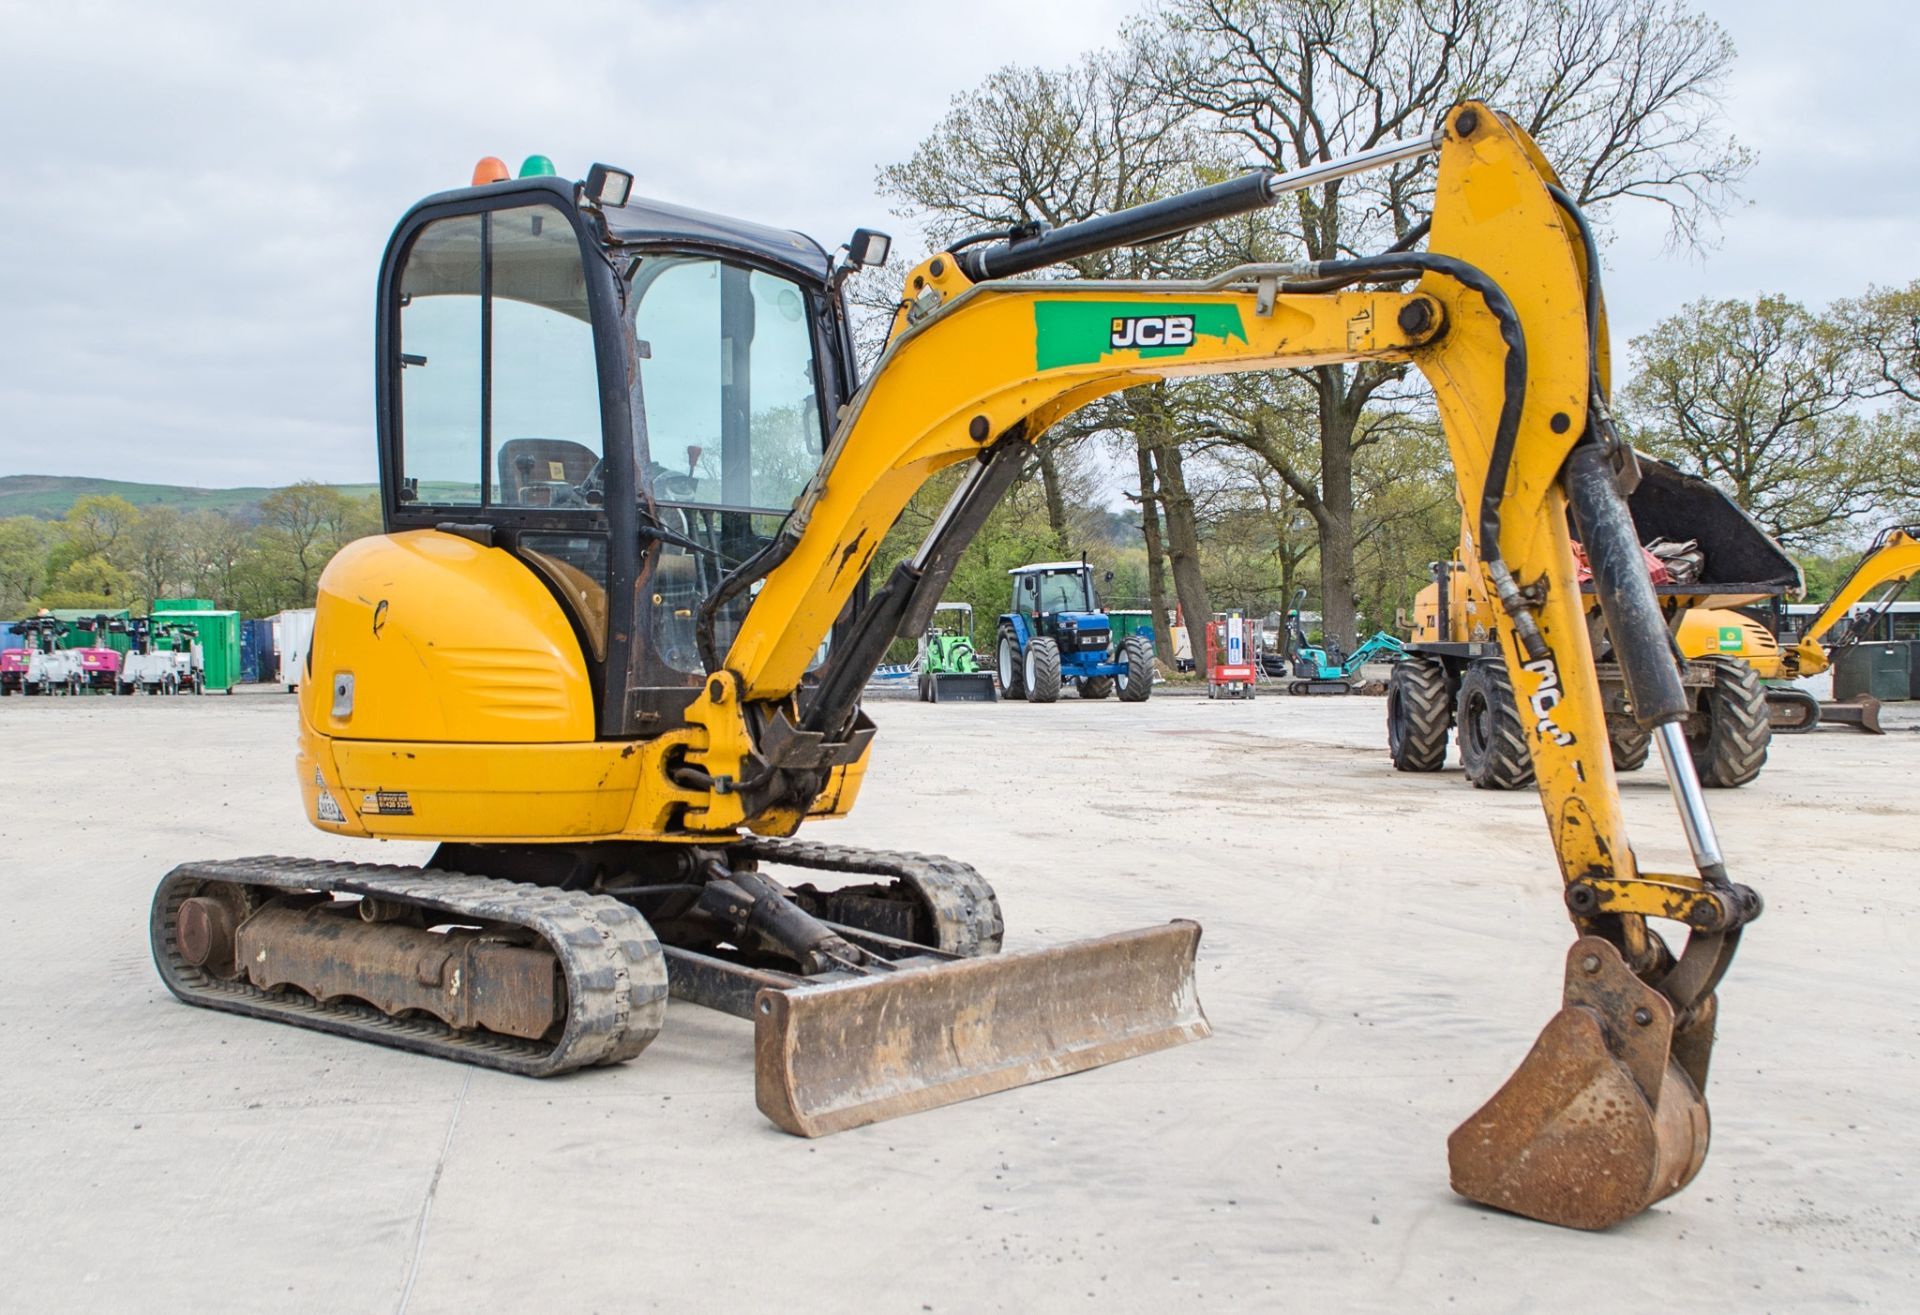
column 219, row 634
column 296, row 639
column 259, row 654
column 1876, row 669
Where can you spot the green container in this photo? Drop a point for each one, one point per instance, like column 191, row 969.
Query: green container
column 78, row 638
column 219, row 634
column 1879, row 669
column 183, row 605
column 1126, row 623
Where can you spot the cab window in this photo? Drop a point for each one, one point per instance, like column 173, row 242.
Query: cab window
column 498, row 383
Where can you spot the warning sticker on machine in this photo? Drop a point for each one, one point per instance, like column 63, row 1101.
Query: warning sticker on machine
column 326, row 809
column 390, row 803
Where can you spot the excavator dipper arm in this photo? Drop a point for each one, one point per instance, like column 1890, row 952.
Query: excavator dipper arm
column 1892, row 559
column 1503, row 318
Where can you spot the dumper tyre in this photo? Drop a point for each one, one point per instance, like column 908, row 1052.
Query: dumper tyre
column 1419, row 715
column 1137, row 684
column 1013, row 683
column 1732, row 747
column 1094, row 687
column 1042, row 671
column 1630, row 745
column 1493, row 745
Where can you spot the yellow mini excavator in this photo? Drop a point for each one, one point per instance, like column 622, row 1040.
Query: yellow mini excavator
column 610, row 650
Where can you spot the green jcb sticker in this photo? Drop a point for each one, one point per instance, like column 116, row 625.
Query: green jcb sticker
column 1732, row 639
column 1086, row 332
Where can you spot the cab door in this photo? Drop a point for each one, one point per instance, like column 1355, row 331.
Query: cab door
column 503, row 403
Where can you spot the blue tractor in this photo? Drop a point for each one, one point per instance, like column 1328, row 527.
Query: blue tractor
column 1055, row 633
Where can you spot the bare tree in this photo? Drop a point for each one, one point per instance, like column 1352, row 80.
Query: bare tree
column 1623, row 95
column 1054, row 147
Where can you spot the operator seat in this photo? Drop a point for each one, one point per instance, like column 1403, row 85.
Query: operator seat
column 531, row 469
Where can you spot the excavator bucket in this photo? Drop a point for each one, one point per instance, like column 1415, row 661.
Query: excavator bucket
column 1601, row 1119
column 837, row 1055
column 965, row 687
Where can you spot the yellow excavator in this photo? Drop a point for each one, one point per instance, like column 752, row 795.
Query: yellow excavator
column 609, row 652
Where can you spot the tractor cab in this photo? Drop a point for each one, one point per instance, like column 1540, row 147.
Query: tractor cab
column 1056, row 599
column 626, row 396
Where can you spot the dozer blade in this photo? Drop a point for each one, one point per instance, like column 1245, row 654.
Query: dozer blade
column 838, row 1055
column 965, row 687
column 1599, row 1121
column 1862, row 712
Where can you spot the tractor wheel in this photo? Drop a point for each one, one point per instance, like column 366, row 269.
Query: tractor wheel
column 1419, row 713
column 1137, row 683
column 1493, row 746
column 926, row 687
column 1013, row 683
column 1042, row 671
column 1629, row 743
column 1094, row 687
column 1733, row 746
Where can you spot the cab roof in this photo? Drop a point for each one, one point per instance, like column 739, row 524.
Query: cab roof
column 1046, row 566
column 646, row 222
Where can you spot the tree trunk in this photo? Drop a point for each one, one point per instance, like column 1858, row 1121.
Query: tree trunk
column 1183, row 549
column 1334, row 515
column 1056, row 499
column 1156, row 564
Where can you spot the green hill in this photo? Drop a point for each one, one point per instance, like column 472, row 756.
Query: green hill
column 49, row 496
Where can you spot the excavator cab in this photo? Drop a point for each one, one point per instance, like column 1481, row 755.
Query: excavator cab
column 627, row 398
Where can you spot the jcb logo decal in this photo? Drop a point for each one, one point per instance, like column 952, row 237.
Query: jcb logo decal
column 1544, row 700
column 1152, row 331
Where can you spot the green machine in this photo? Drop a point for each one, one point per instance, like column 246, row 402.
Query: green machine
column 950, row 670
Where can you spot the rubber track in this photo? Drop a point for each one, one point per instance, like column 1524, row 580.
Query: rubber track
column 966, row 910
column 616, row 974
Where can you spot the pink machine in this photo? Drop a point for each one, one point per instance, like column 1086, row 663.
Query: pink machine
column 13, row 669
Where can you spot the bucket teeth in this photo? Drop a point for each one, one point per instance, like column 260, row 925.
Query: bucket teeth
column 1600, row 1120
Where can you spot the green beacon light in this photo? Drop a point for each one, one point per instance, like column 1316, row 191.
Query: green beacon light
column 537, row 166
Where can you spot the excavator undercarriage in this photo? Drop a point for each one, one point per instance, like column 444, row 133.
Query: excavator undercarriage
column 464, row 959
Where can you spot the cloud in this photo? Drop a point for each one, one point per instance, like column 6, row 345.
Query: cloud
column 197, row 195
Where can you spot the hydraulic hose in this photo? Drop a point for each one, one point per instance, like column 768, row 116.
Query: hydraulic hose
column 1329, row 275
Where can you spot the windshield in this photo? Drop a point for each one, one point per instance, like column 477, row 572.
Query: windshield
column 729, row 405
column 1063, row 592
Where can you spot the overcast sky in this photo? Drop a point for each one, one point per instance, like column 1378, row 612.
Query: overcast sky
column 194, row 197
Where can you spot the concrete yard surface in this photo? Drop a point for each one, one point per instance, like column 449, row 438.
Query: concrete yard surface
column 1380, row 951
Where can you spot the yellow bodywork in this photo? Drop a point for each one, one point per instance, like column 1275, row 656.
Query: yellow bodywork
column 471, row 705
column 1721, row 632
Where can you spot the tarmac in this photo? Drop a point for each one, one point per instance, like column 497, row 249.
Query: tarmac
column 1380, row 950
